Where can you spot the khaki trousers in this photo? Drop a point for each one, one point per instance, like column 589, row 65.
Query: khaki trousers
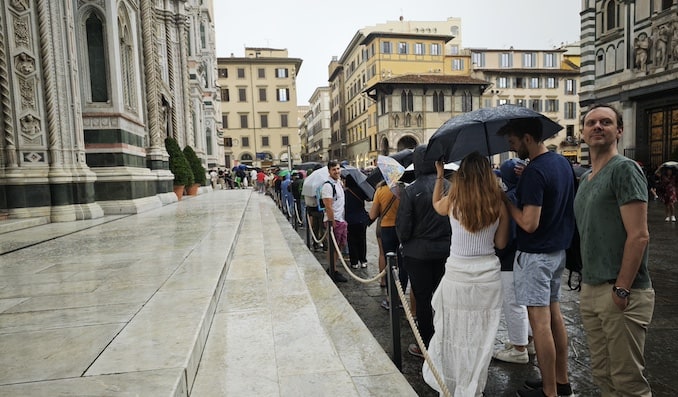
column 616, row 339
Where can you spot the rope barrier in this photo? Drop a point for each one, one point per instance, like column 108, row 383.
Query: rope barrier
column 308, row 218
column 296, row 213
column 403, row 301
column 348, row 270
column 417, row 335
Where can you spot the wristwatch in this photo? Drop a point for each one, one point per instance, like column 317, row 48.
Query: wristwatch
column 621, row 292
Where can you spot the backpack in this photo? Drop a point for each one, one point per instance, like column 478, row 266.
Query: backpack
column 318, row 195
column 573, row 261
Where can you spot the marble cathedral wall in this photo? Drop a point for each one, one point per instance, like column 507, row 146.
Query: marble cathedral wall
column 89, row 90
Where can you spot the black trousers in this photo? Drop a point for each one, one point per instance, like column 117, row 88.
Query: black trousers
column 425, row 275
column 357, row 243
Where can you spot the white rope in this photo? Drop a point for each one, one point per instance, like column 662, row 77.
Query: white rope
column 417, row 335
column 296, row 213
column 348, row 270
column 308, row 218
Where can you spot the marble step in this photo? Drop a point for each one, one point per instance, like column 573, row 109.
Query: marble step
column 10, row 225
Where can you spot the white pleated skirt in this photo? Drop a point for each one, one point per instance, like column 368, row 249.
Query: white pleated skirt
column 467, row 307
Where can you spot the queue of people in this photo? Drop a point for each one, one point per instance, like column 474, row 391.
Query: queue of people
column 475, row 247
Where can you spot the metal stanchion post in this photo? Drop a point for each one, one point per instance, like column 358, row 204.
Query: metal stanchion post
column 392, row 264
column 294, row 215
column 331, row 251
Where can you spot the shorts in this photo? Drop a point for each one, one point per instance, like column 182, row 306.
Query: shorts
column 341, row 233
column 537, row 277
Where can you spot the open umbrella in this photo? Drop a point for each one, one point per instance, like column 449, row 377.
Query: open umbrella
column 477, row 131
column 404, row 157
column 669, row 164
column 357, row 182
column 314, row 180
column 391, row 170
column 409, row 177
column 284, row 173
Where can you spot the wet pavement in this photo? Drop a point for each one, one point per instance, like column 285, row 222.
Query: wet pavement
column 505, row 378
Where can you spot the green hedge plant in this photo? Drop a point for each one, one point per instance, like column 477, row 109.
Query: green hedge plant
column 199, row 173
column 178, row 164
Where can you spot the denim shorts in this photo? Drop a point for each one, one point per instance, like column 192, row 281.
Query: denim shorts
column 537, row 277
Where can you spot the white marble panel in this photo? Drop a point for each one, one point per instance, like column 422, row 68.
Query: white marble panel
column 52, row 354
column 239, row 358
column 51, row 319
column 161, row 335
column 243, row 295
column 336, row 383
column 167, row 382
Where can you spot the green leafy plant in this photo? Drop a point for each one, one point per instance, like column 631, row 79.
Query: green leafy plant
column 199, row 172
column 178, row 163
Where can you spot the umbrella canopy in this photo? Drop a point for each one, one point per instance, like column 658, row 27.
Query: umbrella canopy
column 357, row 182
column 309, row 165
column 284, row 173
column 404, row 157
column 391, row 170
column 313, row 181
column 409, row 176
column 477, row 131
column 670, row 164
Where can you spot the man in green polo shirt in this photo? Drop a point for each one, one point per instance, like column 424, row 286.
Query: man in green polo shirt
column 617, row 299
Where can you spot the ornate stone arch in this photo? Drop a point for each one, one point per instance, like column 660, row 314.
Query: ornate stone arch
column 93, row 53
column 128, row 61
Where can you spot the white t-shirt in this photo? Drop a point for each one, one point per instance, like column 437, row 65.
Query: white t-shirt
column 338, row 203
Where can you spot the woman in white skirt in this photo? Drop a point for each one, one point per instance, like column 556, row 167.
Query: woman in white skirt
column 467, row 303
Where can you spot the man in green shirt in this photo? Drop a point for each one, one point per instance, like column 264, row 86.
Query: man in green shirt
column 617, row 299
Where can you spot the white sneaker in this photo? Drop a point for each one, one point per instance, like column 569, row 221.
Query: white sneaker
column 667, row 219
column 363, row 265
column 511, row 355
column 673, row 219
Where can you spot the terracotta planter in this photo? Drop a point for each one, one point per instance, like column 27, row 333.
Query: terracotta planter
column 179, row 191
column 193, row 189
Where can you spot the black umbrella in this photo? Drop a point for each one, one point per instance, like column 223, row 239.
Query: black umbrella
column 357, row 182
column 477, row 131
column 309, row 165
column 404, row 157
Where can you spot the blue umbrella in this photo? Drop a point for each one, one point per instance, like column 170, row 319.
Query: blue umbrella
column 478, row 131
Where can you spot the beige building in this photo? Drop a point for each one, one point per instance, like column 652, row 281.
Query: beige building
column 259, row 107
column 546, row 81
column 317, row 121
column 630, row 60
column 374, row 54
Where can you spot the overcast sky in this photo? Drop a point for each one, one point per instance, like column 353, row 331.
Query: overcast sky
column 317, row 30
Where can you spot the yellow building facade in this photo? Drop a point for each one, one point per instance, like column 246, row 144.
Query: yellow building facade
column 259, row 113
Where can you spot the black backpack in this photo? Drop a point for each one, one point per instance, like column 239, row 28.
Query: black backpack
column 573, row 261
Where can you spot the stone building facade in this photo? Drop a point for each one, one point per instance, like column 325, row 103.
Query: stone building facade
column 89, row 90
column 630, row 60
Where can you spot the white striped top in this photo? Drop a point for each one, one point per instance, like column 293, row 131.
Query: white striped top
column 465, row 243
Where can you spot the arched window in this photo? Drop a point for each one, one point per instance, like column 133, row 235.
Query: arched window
column 467, row 101
column 438, row 101
column 611, row 15
column 406, row 101
column 96, row 57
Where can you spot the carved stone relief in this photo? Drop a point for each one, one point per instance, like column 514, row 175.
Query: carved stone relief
column 25, row 64
column 30, row 126
column 20, row 5
column 22, row 32
column 27, row 90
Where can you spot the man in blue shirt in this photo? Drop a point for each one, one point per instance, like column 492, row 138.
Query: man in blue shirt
column 545, row 218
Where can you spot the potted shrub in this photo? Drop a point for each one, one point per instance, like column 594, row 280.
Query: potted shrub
column 183, row 176
column 199, row 173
